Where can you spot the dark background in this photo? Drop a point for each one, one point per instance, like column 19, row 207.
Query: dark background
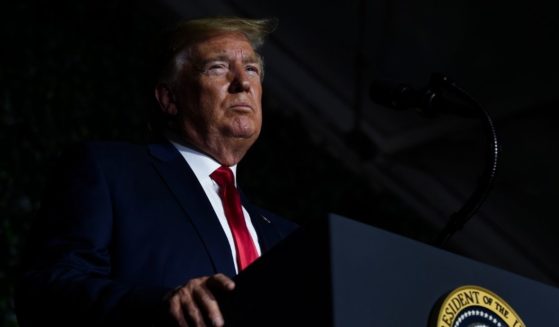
column 79, row 70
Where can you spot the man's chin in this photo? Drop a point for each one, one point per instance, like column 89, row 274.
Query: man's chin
column 245, row 138
column 244, row 131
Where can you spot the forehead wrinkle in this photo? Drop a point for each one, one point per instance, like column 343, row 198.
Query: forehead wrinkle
column 250, row 58
column 217, row 57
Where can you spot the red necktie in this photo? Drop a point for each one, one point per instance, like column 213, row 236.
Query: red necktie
column 246, row 251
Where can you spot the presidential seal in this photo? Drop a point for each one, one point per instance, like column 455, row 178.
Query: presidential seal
column 474, row 306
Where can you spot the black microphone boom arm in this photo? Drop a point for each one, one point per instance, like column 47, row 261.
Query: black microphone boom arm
column 444, row 96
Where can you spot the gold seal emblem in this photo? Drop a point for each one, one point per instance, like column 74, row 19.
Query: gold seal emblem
column 476, row 306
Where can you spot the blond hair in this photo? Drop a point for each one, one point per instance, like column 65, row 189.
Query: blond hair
column 188, row 33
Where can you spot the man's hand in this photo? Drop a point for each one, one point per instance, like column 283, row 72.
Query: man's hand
column 194, row 304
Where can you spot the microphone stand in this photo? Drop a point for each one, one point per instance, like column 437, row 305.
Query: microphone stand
column 479, row 195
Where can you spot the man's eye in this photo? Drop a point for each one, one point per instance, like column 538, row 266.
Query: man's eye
column 216, row 68
column 253, row 69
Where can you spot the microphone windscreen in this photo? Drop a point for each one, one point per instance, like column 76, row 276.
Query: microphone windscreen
column 392, row 94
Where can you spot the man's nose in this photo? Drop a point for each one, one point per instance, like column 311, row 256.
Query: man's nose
column 239, row 81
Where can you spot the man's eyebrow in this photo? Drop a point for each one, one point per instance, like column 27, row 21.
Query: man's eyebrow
column 252, row 59
column 219, row 57
column 223, row 57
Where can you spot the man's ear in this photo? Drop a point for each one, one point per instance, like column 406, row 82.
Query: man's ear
column 166, row 99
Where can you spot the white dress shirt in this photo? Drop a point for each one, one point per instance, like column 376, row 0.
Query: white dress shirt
column 202, row 166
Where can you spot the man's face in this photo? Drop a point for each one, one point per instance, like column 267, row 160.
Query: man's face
column 218, row 93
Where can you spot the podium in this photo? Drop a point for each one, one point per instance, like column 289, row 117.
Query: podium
column 340, row 272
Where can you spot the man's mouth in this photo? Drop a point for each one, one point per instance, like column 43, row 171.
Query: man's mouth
column 242, row 106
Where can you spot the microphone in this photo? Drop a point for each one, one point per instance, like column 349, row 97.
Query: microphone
column 443, row 96
column 439, row 96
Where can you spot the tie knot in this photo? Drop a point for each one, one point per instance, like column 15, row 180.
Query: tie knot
column 224, row 177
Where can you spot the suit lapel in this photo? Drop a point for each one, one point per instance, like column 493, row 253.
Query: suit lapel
column 176, row 173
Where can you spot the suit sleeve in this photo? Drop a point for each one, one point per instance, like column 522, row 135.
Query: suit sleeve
column 67, row 277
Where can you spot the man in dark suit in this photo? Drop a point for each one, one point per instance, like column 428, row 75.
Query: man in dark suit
column 141, row 234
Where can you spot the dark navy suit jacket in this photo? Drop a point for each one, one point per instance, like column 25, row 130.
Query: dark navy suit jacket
column 121, row 226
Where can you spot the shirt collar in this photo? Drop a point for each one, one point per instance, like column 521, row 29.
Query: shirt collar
column 201, row 164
